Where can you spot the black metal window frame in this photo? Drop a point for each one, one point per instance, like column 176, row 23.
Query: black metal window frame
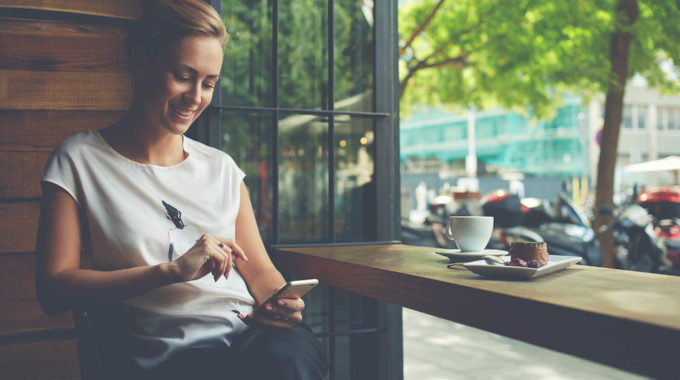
column 386, row 103
column 389, row 357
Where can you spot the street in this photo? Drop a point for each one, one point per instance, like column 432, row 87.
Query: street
column 437, row 349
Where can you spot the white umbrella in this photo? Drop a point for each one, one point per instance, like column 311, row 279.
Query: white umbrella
column 664, row 164
column 670, row 163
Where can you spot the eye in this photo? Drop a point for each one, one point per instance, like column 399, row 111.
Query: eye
column 181, row 78
column 209, row 85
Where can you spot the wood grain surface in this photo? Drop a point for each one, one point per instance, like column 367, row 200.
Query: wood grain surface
column 17, row 295
column 123, row 9
column 19, row 226
column 620, row 318
column 61, row 46
column 41, row 131
column 40, row 360
column 43, row 90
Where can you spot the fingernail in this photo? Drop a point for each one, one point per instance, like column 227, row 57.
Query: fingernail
column 268, row 307
column 240, row 316
column 282, row 303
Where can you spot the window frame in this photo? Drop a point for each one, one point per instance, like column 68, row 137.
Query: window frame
column 389, row 356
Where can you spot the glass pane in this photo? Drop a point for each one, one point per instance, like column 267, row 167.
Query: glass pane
column 355, row 191
column 303, row 54
column 627, row 117
column 641, row 111
column 661, row 118
column 247, row 70
column 247, row 138
column 353, row 55
column 303, row 179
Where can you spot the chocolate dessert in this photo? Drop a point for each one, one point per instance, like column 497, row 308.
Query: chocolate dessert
column 533, row 255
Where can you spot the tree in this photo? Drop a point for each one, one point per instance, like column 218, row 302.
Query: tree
column 524, row 54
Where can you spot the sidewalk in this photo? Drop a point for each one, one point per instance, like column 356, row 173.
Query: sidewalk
column 436, row 349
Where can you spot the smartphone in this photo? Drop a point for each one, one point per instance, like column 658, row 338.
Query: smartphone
column 292, row 289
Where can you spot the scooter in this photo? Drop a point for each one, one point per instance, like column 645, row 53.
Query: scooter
column 636, row 245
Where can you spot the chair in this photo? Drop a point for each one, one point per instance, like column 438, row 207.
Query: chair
column 89, row 355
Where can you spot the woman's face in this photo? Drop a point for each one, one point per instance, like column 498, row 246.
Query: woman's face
column 179, row 83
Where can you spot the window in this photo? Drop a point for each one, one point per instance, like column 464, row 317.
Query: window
column 662, row 118
column 298, row 105
column 641, row 110
column 307, row 108
column 628, row 117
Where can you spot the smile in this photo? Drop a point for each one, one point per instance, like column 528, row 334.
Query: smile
column 184, row 114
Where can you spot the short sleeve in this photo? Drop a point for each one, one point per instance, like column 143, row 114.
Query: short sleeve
column 235, row 173
column 60, row 170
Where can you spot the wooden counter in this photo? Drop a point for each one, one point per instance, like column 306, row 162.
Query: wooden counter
column 628, row 320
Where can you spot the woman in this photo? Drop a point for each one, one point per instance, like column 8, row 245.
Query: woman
column 156, row 213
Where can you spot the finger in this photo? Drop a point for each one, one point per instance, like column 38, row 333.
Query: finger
column 229, row 264
column 291, row 304
column 235, row 249
column 217, row 257
column 224, row 261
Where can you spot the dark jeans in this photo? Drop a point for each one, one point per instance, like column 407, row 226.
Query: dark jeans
column 259, row 354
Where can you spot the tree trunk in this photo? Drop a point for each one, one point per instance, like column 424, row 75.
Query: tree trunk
column 627, row 13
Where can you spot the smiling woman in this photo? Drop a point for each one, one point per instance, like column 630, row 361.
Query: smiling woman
column 157, row 212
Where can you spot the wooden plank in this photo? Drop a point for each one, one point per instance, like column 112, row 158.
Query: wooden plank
column 17, row 277
column 27, row 317
column 123, row 9
column 42, row 130
column 40, row 90
column 61, row 46
column 18, row 226
column 20, row 174
column 53, row 360
column 628, row 320
column 20, row 309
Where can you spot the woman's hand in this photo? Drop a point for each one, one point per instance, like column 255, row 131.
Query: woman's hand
column 282, row 313
column 208, row 255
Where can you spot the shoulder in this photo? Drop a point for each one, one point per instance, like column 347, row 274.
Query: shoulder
column 77, row 143
column 208, row 154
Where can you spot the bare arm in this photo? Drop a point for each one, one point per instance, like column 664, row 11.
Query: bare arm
column 62, row 283
column 262, row 278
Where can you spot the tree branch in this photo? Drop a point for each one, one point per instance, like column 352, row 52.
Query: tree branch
column 420, row 27
column 459, row 62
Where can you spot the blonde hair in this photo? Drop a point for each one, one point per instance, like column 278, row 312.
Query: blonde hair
column 164, row 22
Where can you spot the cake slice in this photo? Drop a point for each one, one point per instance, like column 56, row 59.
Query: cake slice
column 530, row 251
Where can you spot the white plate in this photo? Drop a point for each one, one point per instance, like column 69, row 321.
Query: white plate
column 455, row 255
column 555, row 263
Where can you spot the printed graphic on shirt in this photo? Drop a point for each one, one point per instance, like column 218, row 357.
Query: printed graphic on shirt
column 183, row 237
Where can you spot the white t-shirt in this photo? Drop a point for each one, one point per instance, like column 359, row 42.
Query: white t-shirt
column 127, row 225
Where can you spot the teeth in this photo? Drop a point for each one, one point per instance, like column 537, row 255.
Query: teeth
column 184, row 113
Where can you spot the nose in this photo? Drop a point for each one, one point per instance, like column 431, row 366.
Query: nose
column 193, row 94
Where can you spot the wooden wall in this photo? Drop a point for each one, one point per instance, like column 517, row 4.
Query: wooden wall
column 62, row 71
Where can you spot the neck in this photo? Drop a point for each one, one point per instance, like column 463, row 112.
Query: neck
column 136, row 138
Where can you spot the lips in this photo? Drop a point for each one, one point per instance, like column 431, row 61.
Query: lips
column 183, row 113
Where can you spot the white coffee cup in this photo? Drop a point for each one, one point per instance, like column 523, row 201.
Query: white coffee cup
column 471, row 233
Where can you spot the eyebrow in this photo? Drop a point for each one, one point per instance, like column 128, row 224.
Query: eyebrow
column 194, row 71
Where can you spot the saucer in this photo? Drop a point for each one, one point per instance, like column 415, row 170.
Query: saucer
column 455, row 255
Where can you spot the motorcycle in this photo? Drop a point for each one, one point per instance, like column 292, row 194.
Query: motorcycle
column 663, row 204
column 636, row 245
